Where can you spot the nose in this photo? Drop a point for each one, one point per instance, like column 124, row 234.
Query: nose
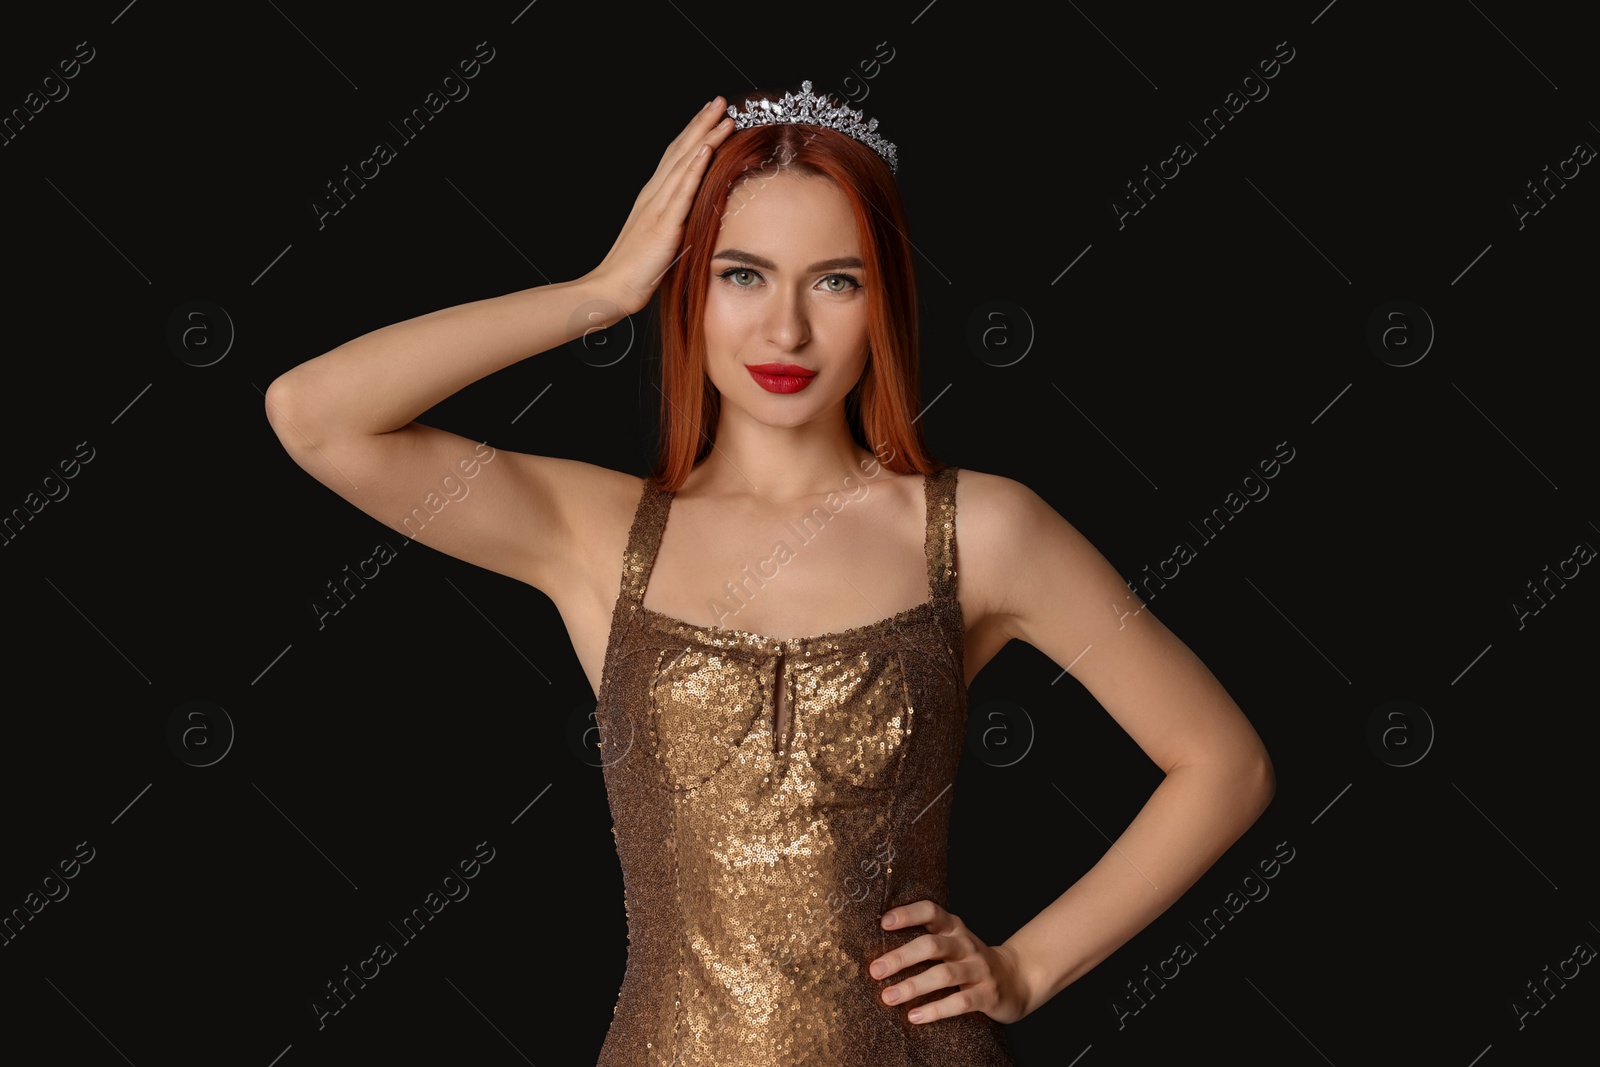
column 786, row 324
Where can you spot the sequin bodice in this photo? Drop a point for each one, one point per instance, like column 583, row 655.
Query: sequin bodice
column 771, row 798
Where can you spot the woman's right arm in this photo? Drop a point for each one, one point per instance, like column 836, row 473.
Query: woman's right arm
column 348, row 416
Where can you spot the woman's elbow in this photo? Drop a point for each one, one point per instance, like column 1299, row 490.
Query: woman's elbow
column 1259, row 783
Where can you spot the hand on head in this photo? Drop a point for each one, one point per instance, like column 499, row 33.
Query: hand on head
column 650, row 237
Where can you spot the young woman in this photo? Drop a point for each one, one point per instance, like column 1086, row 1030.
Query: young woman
column 781, row 670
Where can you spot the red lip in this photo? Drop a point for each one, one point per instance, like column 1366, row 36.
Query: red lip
column 781, row 377
column 788, row 370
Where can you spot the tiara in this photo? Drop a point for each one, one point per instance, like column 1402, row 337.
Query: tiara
column 815, row 109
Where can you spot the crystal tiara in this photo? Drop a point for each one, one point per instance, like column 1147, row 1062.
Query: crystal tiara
column 815, row 109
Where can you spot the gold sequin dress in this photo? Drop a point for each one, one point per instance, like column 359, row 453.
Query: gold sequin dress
column 771, row 799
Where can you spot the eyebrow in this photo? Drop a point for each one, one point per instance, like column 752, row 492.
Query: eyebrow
column 767, row 264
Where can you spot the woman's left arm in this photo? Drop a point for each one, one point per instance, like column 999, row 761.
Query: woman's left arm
column 1070, row 603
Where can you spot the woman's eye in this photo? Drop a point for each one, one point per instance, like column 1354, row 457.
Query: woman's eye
column 745, row 278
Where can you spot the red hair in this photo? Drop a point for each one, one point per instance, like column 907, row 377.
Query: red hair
column 881, row 408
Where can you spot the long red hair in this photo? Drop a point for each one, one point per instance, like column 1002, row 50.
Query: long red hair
column 881, row 408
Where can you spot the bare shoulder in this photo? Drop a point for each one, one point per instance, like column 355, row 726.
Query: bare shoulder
column 558, row 525
column 982, row 494
column 997, row 522
column 1040, row 581
column 1008, row 539
column 989, row 509
column 597, row 509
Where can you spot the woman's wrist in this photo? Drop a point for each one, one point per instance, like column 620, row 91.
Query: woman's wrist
column 619, row 298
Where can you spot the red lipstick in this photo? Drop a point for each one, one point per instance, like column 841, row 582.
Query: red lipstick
column 781, row 377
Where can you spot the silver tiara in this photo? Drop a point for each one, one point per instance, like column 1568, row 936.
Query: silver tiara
column 815, row 109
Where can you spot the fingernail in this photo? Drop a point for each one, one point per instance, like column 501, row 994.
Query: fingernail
column 877, row 970
column 891, row 995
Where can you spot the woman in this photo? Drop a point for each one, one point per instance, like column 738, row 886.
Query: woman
column 779, row 729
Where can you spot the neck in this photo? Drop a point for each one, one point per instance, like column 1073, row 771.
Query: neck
column 780, row 464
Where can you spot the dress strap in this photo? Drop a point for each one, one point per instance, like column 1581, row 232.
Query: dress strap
column 644, row 541
column 940, row 542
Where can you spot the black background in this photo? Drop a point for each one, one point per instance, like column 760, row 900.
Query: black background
column 436, row 710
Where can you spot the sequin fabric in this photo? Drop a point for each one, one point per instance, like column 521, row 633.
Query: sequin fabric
column 770, row 799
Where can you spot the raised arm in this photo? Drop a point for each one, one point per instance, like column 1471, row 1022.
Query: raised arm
column 348, row 416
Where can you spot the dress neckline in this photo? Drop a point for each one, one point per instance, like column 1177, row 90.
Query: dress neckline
column 750, row 639
column 940, row 607
column 938, row 493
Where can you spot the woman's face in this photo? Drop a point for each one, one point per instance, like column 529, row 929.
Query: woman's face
column 785, row 292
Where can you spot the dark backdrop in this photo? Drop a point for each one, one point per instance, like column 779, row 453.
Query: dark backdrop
column 1342, row 270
